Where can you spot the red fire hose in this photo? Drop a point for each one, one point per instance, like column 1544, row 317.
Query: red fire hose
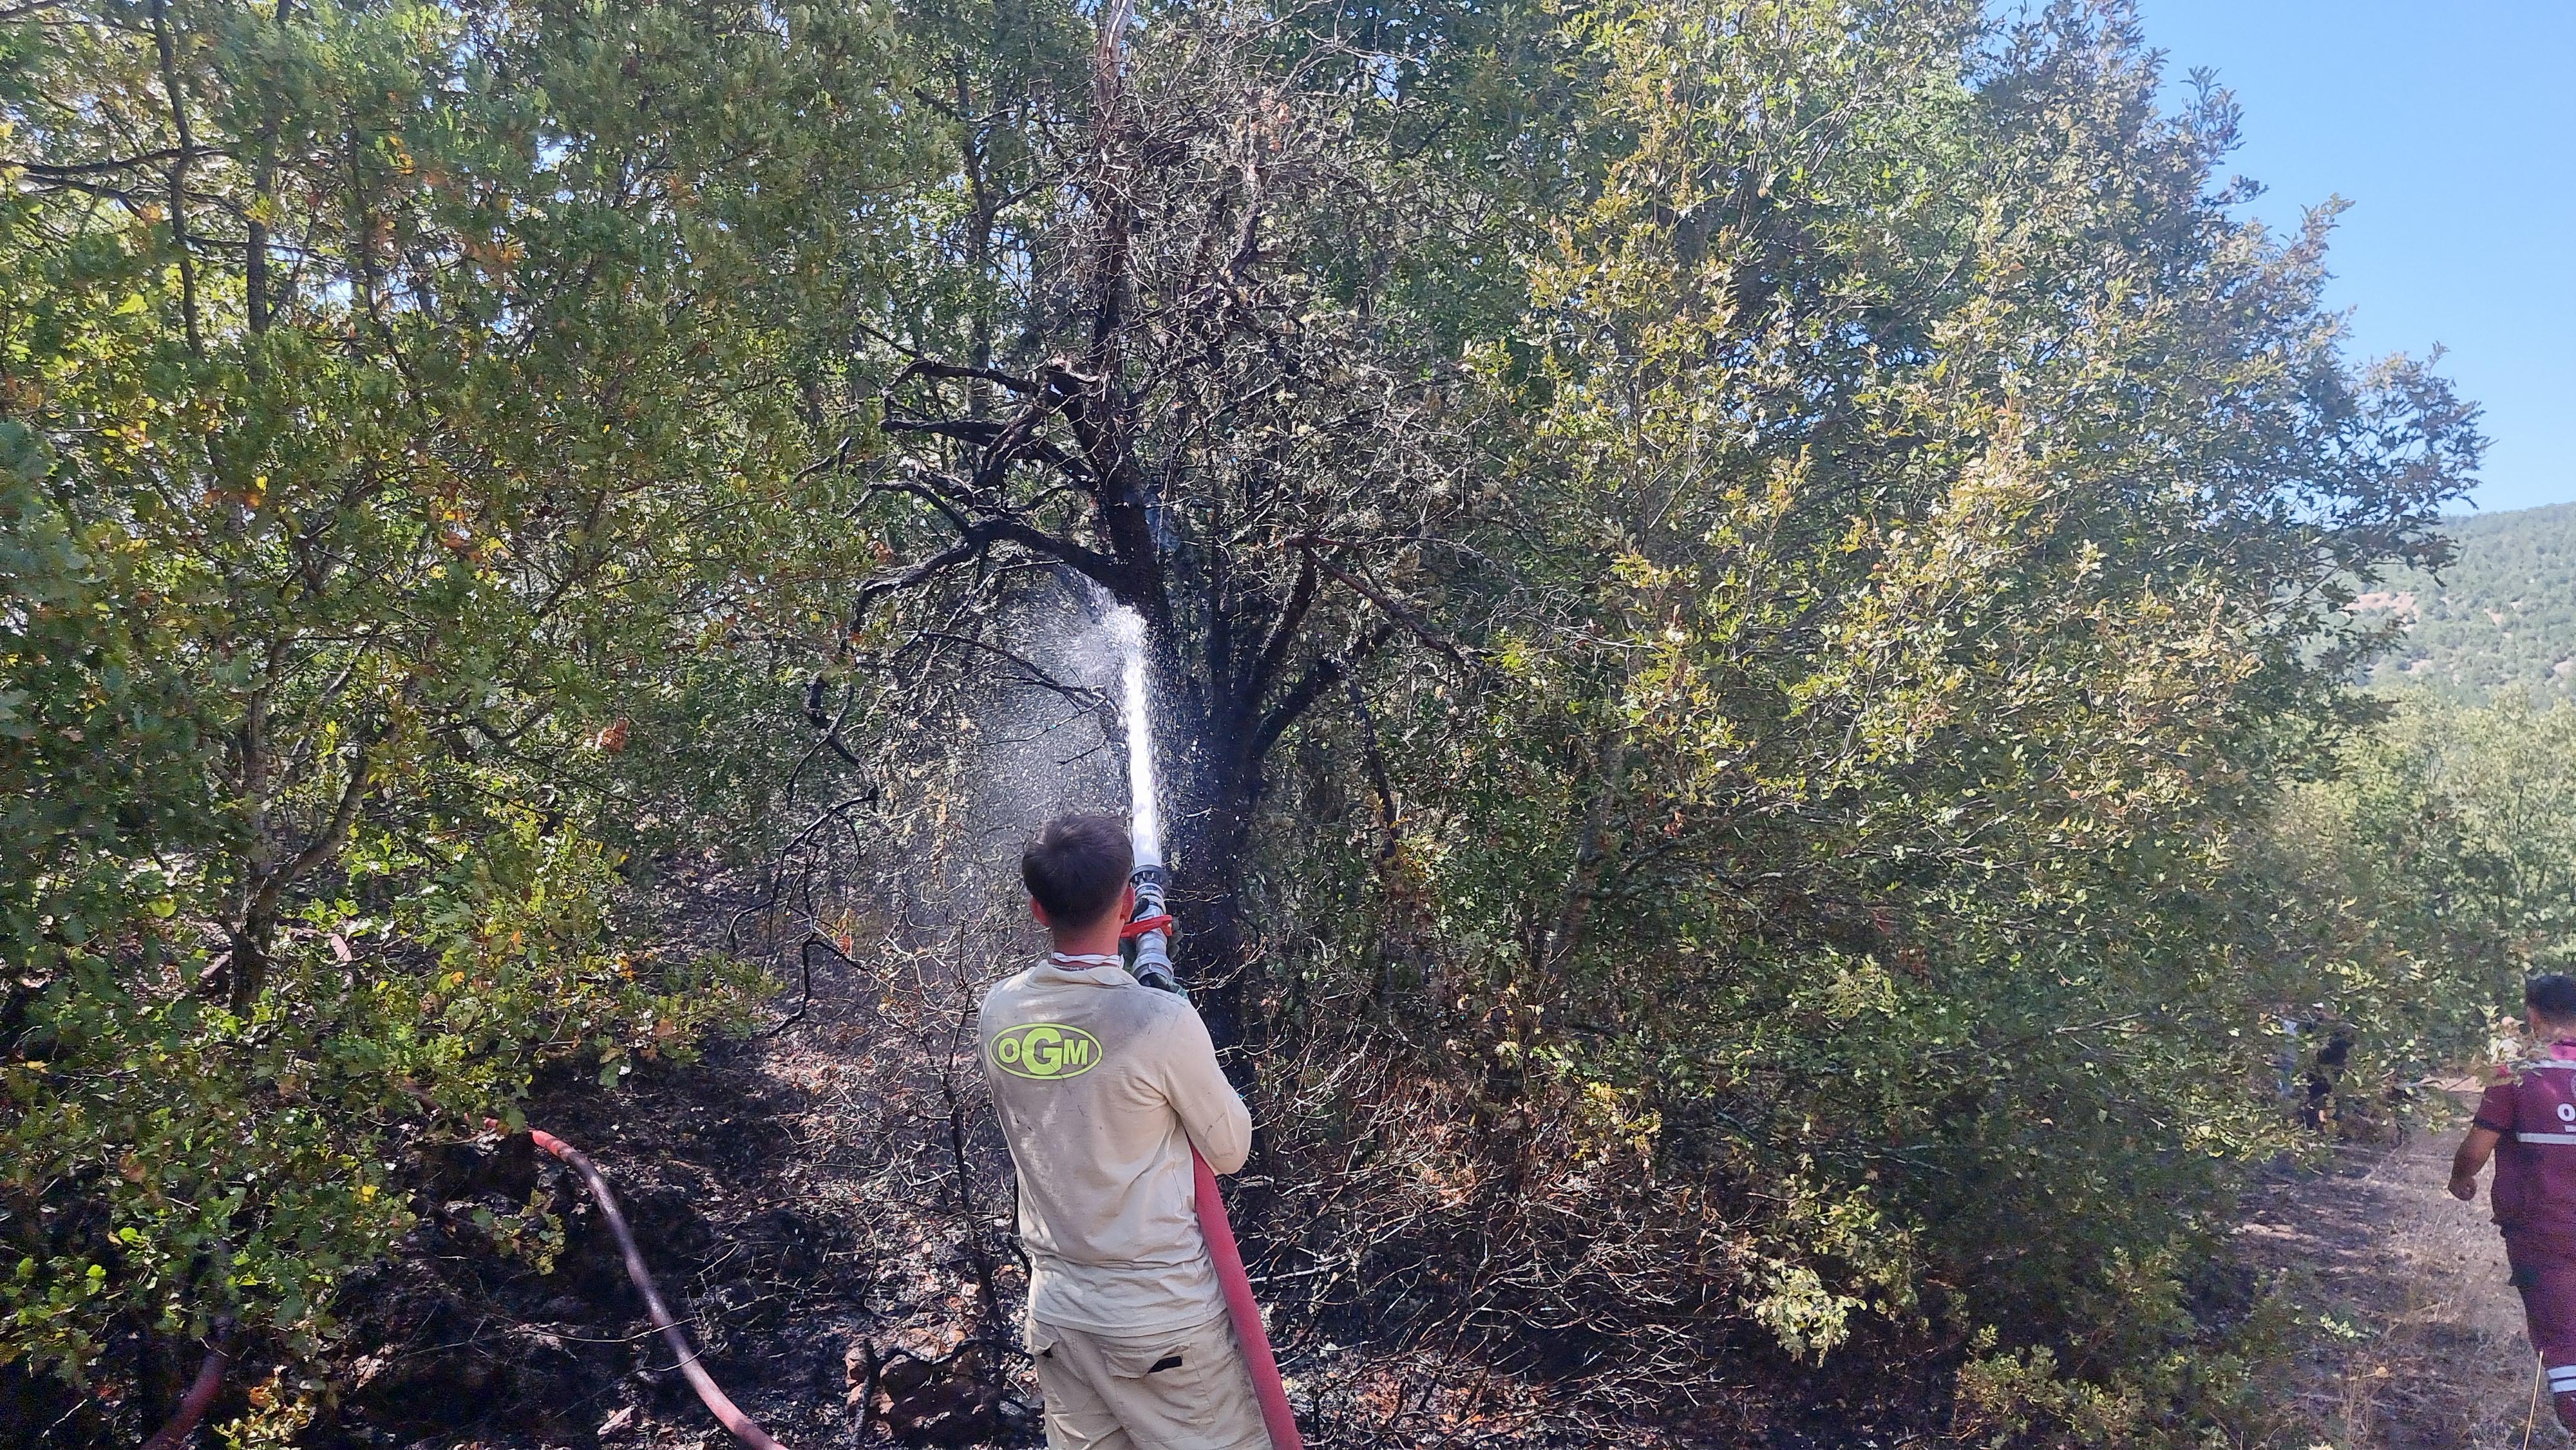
column 1150, row 927
column 192, row 1406
column 1249, row 1335
column 744, row 1428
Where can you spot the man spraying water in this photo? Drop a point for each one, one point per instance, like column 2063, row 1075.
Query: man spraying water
column 1104, row 1086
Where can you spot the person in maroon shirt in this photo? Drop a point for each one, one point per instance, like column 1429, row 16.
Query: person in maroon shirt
column 2527, row 1123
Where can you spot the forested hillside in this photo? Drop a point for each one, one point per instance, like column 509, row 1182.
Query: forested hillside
column 2500, row 615
column 1748, row 606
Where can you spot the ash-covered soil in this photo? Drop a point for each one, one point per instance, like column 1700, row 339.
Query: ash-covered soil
column 800, row 1199
column 827, row 1208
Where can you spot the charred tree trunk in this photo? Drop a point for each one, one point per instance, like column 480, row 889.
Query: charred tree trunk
column 1200, row 448
column 1211, row 849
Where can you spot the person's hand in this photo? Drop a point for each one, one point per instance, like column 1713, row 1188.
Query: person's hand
column 2465, row 1188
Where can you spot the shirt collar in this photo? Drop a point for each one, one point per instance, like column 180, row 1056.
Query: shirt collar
column 1098, row 974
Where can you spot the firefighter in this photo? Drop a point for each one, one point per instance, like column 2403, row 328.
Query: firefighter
column 2527, row 1123
column 1103, row 1086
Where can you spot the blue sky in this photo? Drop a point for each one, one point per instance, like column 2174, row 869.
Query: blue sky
column 2451, row 128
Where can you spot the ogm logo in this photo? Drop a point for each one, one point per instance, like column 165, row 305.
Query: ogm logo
column 1046, row 1051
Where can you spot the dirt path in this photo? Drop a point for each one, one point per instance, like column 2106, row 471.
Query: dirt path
column 2418, row 1340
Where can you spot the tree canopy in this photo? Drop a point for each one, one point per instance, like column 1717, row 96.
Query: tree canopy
column 1755, row 598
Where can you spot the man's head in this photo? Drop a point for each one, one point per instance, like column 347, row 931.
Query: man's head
column 2550, row 1002
column 1076, row 871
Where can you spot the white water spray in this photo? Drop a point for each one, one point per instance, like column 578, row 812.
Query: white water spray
column 1127, row 630
column 1152, row 965
column 1152, row 962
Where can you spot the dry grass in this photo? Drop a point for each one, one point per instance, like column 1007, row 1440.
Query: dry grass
column 2418, row 1339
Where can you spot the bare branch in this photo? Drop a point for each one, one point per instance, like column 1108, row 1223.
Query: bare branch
column 51, row 172
column 179, row 173
column 1035, row 675
column 1283, row 632
column 1320, row 676
column 829, row 461
column 965, row 550
column 1375, row 759
column 959, row 372
column 913, row 486
column 91, row 188
column 1394, row 608
column 973, row 541
column 1100, row 568
column 827, row 729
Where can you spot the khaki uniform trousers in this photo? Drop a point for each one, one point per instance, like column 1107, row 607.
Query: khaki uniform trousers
column 1173, row 1389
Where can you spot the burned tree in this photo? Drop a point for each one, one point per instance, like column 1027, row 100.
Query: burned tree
column 1214, row 422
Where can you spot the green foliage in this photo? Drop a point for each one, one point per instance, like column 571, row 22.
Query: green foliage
column 2499, row 616
column 2189, row 1395
column 1877, row 772
column 2154, row 1376
column 403, row 516
column 2411, row 890
column 1910, row 645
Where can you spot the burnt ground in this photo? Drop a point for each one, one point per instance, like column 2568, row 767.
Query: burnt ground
column 825, row 1209
column 800, row 1204
column 801, row 1207
column 2413, row 1339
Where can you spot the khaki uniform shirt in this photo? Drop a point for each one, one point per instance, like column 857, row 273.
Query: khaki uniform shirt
column 1103, row 1086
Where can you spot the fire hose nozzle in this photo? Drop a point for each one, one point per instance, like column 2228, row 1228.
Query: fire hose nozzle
column 1149, row 953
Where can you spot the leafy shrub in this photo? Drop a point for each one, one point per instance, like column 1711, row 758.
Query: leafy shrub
column 399, row 514
column 1886, row 725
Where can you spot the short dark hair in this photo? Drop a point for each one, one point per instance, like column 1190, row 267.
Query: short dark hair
column 1076, row 868
column 2552, row 995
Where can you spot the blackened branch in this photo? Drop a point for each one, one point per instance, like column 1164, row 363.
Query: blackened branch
column 837, row 458
column 827, row 727
column 999, row 444
column 925, row 368
column 1320, row 676
column 974, row 540
column 1395, row 609
column 970, row 546
column 1283, row 633
column 1031, row 673
column 936, row 498
column 48, row 171
column 1375, row 759
column 1100, row 568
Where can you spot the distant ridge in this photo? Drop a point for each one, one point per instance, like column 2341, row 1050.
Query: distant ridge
column 2502, row 614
